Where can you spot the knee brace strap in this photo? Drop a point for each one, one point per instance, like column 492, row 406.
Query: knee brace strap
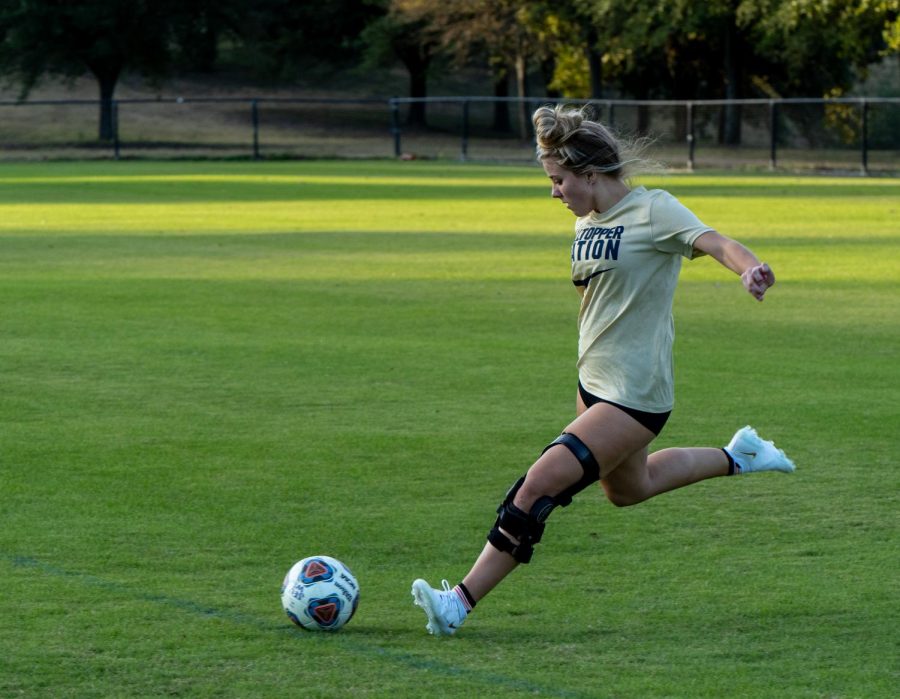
column 526, row 527
column 589, row 466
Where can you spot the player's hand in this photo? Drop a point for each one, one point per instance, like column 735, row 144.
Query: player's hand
column 757, row 279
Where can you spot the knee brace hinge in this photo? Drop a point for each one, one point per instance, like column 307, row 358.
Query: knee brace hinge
column 525, row 527
column 528, row 527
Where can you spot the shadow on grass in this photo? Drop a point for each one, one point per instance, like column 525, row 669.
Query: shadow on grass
column 250, row 185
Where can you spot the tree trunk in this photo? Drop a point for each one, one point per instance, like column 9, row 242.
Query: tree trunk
column 501, row 108
column 418, row 87
column 643, row 120
column 107, row 80
column 548, row 68
column 416, row 60
column 595, row 64
column 731, row 125
column 679, row 128
column 522, row 87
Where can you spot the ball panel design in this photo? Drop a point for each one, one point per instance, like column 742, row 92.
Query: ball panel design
column 319, row 593
column 316, row 570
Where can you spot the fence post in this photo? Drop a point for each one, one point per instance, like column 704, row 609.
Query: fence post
column 773, row 134
column 115, row 128
column 395, row 125
column 865, row 136
column 690, row 135
column 464, row 146
column 254, row 113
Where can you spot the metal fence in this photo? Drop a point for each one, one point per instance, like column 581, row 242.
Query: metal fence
column 848, row 134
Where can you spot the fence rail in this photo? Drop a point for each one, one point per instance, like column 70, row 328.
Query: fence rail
column 608, row 107
column 775, row 133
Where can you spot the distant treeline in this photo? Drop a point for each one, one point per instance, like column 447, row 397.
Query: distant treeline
column 666, row 49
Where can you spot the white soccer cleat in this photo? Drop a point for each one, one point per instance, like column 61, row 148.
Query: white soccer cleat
column 752, row 453
column 445, row 610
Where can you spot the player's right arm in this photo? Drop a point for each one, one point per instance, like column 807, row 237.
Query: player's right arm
column 756, row 276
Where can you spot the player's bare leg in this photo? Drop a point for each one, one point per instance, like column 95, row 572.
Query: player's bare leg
column 616, row 440
column 447, row 608
column 556, row 470
column 641, row 477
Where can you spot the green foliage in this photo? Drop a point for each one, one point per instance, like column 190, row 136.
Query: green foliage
column 281, row 39
column 882, row 80
column 891, row 30
column 403, row 35
column 571, row 76
column 153, row 38
column 103, row 36
column 673, row 48
column 211, row 370
column 814, row 48
column 106, row 38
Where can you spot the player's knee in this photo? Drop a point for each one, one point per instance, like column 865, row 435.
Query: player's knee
column 531, row 490
column 522, row 514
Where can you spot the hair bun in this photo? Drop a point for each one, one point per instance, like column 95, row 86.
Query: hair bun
column 553, row 126
column 574, row 140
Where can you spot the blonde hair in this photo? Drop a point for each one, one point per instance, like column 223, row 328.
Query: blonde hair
column 583, row 145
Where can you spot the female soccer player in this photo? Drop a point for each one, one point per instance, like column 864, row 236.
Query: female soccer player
column 625, row 263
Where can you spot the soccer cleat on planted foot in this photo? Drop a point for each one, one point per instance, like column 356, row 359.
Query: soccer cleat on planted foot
column 445, row 610
column 752, row 453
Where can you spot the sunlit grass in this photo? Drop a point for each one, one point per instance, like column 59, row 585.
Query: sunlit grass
column 210, row 370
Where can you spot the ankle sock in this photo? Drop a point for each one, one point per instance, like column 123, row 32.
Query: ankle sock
column 465, row 597
column 733, row 468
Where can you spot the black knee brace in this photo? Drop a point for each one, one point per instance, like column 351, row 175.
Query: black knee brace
column 590, row 467
column 528, row 527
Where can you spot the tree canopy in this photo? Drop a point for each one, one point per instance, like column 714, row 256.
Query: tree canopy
column 103, row 37
column 678, row 49
column 670, row 49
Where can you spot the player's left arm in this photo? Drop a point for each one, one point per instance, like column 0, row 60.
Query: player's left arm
column 755, row 275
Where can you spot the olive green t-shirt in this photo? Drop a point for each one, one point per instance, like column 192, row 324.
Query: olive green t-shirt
column 628, row 259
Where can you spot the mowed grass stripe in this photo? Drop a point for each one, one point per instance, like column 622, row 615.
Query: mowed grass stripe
column 208, row 377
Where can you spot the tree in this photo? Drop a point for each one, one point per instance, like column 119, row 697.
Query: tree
column 281, row 39
column 814, row 47
column 403, row 34
column 104, row 37
column 154, row 37
column 501, row 32
column 734, row 49
column 198, row 29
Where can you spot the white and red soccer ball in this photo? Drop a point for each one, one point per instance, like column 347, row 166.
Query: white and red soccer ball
column 320, row 593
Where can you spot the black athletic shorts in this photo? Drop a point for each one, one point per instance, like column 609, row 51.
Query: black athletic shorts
column 652, row 421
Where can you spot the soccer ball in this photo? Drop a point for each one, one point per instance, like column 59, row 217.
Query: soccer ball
column 320, row 593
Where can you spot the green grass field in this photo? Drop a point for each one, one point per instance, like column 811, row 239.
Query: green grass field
column 209, row 371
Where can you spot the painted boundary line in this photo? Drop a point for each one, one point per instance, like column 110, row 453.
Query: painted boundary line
column 408, row 660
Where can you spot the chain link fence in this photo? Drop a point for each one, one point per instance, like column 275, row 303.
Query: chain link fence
column 849, row 134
